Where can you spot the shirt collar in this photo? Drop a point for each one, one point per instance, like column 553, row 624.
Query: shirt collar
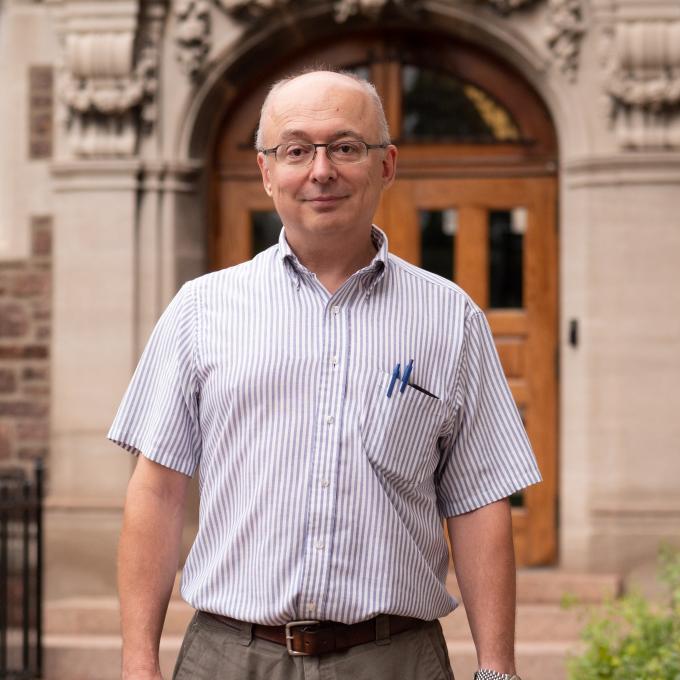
column 370, row 276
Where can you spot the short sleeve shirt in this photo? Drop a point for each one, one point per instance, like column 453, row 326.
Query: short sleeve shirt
column 321, row 496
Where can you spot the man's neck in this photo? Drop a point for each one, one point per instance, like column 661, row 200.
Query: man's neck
column 333, row 260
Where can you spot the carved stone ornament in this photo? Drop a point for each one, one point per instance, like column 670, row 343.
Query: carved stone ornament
column 507, row 6
column 343, row 9
column 108, row 78
column 643, row 83
column 193, row 33
column 564, row 33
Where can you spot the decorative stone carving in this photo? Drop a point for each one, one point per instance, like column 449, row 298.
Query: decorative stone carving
column 507, row 6
column 108, row 78
column 565, row 32
column 343, row 9
column 643, row 83
column 193, row 33
column 249, row 9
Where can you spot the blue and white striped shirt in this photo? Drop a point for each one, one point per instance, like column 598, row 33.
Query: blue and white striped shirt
column 320, row 496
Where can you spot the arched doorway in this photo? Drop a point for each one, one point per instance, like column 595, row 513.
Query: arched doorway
column 475, row 201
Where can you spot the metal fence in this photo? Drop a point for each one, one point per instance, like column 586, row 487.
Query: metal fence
column 21, row 573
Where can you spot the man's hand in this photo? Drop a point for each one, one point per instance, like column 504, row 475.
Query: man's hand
column 148, row 555
column 484, row 559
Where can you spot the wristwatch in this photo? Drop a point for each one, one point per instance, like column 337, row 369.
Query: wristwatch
column 486, row 674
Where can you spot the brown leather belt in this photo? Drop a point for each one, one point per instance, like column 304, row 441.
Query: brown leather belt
column 304, row 638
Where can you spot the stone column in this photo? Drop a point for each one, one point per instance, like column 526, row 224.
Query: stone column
column 94, row 351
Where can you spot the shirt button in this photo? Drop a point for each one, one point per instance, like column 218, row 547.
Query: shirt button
column 336, row 310
column 330, row 420
column 319, row 545
column 334, row 361
column 311, row 606
column 324, row 483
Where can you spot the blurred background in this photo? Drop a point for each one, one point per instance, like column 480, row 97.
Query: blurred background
column 539, row 168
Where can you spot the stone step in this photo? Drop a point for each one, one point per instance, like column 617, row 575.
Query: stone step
column 535, row 623
column 546, row 586
column 100, row 616
column 82, row 639
column 97, row 657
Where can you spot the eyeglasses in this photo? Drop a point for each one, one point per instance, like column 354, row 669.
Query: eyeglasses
column 340, row 152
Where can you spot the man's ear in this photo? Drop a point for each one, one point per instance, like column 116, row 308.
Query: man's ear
column 264, row 171
column 389, row 166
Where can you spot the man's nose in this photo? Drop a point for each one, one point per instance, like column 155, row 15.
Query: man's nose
column 322, row 170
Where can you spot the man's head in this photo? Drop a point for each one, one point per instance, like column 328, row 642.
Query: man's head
column 323, row 194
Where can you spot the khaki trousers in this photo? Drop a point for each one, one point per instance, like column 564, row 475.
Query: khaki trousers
column 216, row 651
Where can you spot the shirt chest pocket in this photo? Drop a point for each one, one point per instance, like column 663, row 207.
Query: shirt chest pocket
column 399, row 434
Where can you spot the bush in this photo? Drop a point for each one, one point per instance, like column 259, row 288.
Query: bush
column 633, row 639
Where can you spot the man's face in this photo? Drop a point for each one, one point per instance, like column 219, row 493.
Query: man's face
column 325, row 197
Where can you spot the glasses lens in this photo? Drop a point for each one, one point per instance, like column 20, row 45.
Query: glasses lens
column 347, row 151
column 295, row 153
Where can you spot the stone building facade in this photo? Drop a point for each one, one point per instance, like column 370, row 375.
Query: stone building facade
column 114, row 191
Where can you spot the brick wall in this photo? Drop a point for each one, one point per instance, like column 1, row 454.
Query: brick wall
column 25, row 328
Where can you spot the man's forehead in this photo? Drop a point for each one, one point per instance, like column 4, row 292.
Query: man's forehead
column 318, row 99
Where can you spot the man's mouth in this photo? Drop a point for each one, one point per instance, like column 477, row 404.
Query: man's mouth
column 324, row 199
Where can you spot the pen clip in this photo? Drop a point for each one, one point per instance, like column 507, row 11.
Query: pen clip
column 407, row 375
column 393, row 379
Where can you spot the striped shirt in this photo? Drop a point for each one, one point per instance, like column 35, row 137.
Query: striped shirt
column 320, row 496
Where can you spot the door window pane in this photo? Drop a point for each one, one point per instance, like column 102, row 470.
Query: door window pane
column 266, row 229
column 506, row 245
column 438, row 107
column 438, row 241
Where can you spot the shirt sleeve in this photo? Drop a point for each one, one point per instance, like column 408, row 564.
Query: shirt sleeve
column 158, row 416
column 487, row 455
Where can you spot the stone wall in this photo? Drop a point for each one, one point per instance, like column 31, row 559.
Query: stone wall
column 25, row 329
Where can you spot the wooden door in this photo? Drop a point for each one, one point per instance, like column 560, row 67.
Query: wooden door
column 496, row 239
column 479, row 209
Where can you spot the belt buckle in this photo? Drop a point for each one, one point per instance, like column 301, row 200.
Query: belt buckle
column 289, row 636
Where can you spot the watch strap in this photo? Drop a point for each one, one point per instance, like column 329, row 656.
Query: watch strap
column 488, row 674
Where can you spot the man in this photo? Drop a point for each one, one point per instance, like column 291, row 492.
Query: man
column 340, row 402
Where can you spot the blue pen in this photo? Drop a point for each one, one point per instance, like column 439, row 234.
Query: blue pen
column 393, row 380
column 407, row 375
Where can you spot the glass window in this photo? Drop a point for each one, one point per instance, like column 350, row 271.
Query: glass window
column 266, row 227
column 506, row 245
column 439, row 107
column 437, row 237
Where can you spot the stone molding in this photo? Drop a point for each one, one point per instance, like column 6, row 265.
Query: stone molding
column 642, row 69
column 109, row 76
column 563, row 33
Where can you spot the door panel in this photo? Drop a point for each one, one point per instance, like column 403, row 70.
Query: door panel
column 525, row 331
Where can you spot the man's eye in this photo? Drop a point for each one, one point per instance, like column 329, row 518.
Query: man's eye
column 295, row 151
column 345, row 148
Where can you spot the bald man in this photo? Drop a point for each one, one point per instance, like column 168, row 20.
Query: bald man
column 339, row 403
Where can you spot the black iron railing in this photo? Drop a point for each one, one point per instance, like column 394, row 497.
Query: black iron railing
column 21, row 573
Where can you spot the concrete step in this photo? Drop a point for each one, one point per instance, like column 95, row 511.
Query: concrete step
column 101, row 616
column 547, row 586
column 97, row 657
column 82, row 639
column 535, row 623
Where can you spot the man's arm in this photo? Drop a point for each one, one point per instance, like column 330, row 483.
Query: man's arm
column 148, row 554
column 484, row 560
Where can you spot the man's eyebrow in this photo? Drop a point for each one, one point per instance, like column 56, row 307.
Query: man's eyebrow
column 287, row 135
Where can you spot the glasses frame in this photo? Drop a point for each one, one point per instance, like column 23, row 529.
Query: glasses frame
column 272, row 151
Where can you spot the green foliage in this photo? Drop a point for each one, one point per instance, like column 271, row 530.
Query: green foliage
column 632, row 639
